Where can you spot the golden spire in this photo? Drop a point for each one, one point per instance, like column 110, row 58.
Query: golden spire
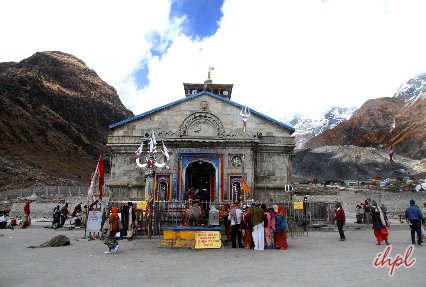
column 209, row 81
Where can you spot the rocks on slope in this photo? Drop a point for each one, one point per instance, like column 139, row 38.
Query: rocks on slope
column 55, row 113
column 339, row 162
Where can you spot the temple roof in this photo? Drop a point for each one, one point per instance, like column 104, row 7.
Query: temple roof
column 194, row 96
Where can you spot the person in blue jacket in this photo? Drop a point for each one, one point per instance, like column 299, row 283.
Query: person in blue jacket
column 414, row 215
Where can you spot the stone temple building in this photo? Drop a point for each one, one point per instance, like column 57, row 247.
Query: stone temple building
column 204, row 135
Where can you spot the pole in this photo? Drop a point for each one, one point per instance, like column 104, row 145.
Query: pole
column 244, row 151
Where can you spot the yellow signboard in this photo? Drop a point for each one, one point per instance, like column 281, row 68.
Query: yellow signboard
column 207, row 239
column 298, row 205
column 141, row 205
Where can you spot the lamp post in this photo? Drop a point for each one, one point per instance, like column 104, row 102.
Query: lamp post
column 150, row 166
column 245, row 114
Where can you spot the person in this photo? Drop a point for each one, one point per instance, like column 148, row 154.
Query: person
column 357, row 213
column 367, row 212
column 275, row 207
column 271, row 228
column 385, row 213
column 361, row 213
column 110, row 240
column 131, row 222
column 281, row 238
column 246, row 227
column 26, row 220
column 415, row 216
column 84, row 215
column 265, row 223
column 341, row 220
column 56, row 217
column 77, row 210
column 257, row 218
column 235, row 218
column 64, row 214
column 379, row 223
column 124, row 219
column 423, row 222
column 391, row 154
column 226, row 222
column 4, row 219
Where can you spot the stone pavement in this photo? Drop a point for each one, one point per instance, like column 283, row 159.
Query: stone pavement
column 317, row 260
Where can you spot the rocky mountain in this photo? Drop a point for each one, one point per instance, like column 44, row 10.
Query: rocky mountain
column 399, row 121
column 55, row 113
column 317, row 122
column 343, row 162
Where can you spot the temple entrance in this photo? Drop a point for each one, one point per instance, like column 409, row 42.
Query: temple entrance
column 201, row 175
column 236, row 190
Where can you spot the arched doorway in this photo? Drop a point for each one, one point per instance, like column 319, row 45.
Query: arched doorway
column 236, row 190
column 201, row 174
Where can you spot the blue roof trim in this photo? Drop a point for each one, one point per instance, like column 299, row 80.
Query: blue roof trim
column 196, row 95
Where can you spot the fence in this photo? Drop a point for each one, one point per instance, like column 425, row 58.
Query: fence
column 48, row 191
column 169, row 213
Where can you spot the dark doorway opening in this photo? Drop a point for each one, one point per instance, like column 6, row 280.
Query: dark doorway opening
column 201, row 175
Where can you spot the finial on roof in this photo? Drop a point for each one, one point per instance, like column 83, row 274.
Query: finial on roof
column 209, row 81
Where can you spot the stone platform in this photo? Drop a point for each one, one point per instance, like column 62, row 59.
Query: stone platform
column 183, row 237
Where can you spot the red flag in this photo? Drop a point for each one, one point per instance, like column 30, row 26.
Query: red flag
column 100, row 175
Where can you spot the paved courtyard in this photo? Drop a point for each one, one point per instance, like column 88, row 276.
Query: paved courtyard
column 317, row 260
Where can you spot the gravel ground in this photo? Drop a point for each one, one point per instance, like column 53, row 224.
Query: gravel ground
column 317, row 260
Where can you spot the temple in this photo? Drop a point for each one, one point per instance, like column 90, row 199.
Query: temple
column 204, row 135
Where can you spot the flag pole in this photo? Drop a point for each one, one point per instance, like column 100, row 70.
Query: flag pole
column 245, row 116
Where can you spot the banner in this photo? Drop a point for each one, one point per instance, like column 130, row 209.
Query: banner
column 97, row 181
column 207, row 239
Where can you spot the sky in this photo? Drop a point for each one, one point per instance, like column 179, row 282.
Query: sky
column 284, row 57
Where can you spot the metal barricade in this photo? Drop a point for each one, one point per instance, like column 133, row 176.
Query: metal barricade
column 169, row 213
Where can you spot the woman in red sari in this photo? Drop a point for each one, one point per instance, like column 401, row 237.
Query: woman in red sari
column 246, row 237
column 281, row 239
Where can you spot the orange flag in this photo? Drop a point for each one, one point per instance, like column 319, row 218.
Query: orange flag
column 245, row 187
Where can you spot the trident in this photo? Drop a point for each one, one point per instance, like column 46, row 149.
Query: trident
column 245, row 117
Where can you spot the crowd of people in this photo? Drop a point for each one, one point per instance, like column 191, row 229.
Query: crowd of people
column 416, row 219
column 256, row 227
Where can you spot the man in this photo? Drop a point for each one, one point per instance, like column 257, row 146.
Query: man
column 257, row 218
column 235, row 217
column 64, row 213
column 367, row 212
column 414, row 215
column 379, row 223
column 341, row 220
column 361, row 213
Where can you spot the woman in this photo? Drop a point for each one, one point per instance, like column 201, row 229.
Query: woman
column 56, row 217
column 379, row 224
column 26, row 220
column 271, row 227
column 227, row 222
column 84, row 215
column 281, row 238
column 246, row 237
column 111, row 241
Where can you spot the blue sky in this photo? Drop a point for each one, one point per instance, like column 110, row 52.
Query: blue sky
column 201, row 20
column 284, row 57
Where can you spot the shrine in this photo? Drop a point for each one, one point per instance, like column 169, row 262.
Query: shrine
column 204, row 136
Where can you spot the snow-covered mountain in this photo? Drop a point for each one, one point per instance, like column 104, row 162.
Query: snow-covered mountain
column 411, row 89
column 317, row 122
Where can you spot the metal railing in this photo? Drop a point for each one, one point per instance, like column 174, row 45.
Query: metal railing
column 169, row 213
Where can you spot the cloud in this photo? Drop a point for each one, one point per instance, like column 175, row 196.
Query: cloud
column 283, row 57
column 109, row 38
column 288, row 57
